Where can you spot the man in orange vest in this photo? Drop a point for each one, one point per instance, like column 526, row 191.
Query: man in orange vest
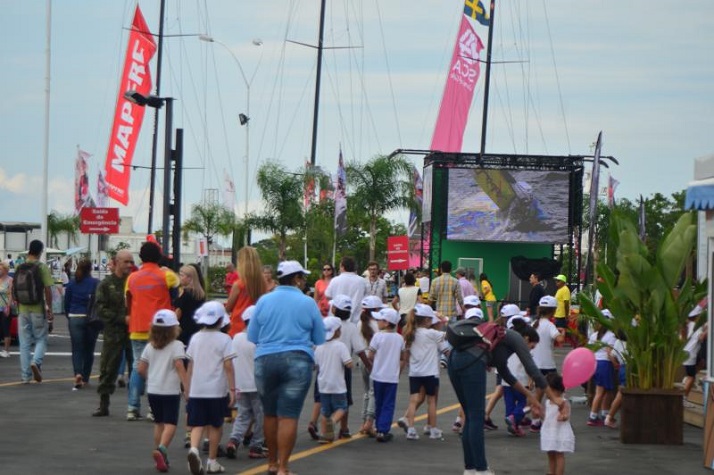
column 147, row 291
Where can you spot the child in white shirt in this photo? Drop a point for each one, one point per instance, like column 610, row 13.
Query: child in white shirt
column 690, row 364
column 331, row 359
column 604, row 372
column 248, row 404
column 388, row 356
column 161, row 363
column 424, row 345
column 210, row 374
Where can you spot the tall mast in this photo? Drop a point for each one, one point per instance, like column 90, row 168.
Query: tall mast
column 317, row 84
column 155, row 139
column 488, row 77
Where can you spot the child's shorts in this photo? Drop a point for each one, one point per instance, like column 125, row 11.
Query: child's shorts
column 691, row 370
column 332, row 402
column 605, row 375
column 429, row 383
column 165, row 408
column 206, row 411
column 622, row 376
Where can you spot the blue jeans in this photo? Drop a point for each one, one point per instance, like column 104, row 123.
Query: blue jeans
column 84, row 339
column 283, row 380
column 385, row 397
column 515, row 402
column 468, row 377
column 32, row 329
column 136, row 382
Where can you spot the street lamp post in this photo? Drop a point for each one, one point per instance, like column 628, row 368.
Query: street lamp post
column 244, row 119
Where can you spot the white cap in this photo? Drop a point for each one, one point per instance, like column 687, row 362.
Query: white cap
column 547, row 301
column 509, row 323
column 388, row 314
column 332, row 324
column 342, row 302
column 290, row 267
column 472, row 300
column 165, row 318
column 210, row 312
column 248, row 313
column 608, row 314
column 510, row 310
column 474, row 313
column 372, row 301
column 424, row 310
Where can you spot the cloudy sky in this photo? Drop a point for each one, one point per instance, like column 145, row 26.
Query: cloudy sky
column 641, row 71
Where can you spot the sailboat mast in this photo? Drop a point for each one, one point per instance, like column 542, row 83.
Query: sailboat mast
column 488, row 77
column 317, row 84
column 155, row 139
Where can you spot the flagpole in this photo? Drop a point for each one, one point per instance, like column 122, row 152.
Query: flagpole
column 488, row 78
column 46, row 151
column 316, row 110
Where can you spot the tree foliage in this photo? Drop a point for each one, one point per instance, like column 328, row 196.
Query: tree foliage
column 209, row 220
column 59, row 223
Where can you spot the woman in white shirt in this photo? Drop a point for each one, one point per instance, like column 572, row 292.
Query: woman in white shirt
column 406, row 297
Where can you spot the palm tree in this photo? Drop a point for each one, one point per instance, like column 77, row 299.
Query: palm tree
column 379, row 186
column 58, row 223
column 282, row 194
column 209, row 220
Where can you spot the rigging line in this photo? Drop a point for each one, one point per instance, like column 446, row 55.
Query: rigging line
column 333, row 81
column 298, row 109
column 346, row 6
column 540, row 124
column 557, row 77
column 389, row 73
column 508, row 114
column 523, row 51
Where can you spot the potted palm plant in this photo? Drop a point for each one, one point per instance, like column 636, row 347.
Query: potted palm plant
column 649, row 298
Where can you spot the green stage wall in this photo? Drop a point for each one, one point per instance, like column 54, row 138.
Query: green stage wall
column 496, row 258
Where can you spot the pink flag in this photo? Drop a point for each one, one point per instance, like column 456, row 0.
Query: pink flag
column 82, row 195
column 459, row 90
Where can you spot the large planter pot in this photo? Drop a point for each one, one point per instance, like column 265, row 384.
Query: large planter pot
column 653, row 416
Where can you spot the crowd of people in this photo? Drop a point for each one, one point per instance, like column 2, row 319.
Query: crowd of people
column 251, row 359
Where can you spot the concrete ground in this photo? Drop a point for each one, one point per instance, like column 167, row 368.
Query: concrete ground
column 47, row 428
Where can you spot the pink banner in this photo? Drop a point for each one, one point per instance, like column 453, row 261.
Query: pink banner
column 128, row 116
column 459, row 90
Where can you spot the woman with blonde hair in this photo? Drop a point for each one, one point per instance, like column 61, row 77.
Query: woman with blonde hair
column 247, row 289
column 191, row 297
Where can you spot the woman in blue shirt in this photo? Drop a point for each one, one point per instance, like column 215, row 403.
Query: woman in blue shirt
column 285, row 326
column 84, row 337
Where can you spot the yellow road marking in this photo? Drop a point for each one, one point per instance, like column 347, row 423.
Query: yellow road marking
column 55, row 380
column 337, row 443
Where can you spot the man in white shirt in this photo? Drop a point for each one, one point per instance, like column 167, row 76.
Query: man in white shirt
column 423, row 279
column 350, row 284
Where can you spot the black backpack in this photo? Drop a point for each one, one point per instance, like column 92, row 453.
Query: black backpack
column 27, row 286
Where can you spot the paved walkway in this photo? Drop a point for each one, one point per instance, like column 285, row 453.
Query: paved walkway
column 46, row 428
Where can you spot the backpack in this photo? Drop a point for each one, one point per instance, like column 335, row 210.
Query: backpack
column 469, row 335
column 27, row 286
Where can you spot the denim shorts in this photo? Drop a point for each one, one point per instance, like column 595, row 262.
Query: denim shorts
column 283, row 380
column 332, row 402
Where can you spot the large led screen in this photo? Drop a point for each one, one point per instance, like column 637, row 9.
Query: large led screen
column 508, row 205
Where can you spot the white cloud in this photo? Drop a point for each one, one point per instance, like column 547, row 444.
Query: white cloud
column 15, row 183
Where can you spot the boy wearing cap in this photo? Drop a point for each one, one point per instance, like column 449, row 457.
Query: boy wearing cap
column 161, row 363
column 331, row 359
column 248, row 405
column 350, row 336
column 210, row 374
column 388, row 357
column 562, row 296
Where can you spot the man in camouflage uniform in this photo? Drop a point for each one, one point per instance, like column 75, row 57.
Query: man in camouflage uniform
column 111, row 308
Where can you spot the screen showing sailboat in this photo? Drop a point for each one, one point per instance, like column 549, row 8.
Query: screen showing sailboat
column 488, row 204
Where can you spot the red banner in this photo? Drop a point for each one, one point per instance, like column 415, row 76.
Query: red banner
column 459, row 90
column 129, row 116
column 397, row 253
column 99, row 220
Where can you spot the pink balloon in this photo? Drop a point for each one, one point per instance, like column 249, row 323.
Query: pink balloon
column 578, row 367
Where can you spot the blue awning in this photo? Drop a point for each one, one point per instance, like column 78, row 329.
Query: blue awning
column 700, row 195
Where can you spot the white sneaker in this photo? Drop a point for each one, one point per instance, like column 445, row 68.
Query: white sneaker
column 4, row 354
column 427, row 429
column 412, row 434
column 488, row 471
column 215, row 467
column 195, row 466
column 436, row 433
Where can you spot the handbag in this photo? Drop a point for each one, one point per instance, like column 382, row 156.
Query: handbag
column 93, row 320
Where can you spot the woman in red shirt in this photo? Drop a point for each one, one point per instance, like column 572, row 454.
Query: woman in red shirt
column 247, row 289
